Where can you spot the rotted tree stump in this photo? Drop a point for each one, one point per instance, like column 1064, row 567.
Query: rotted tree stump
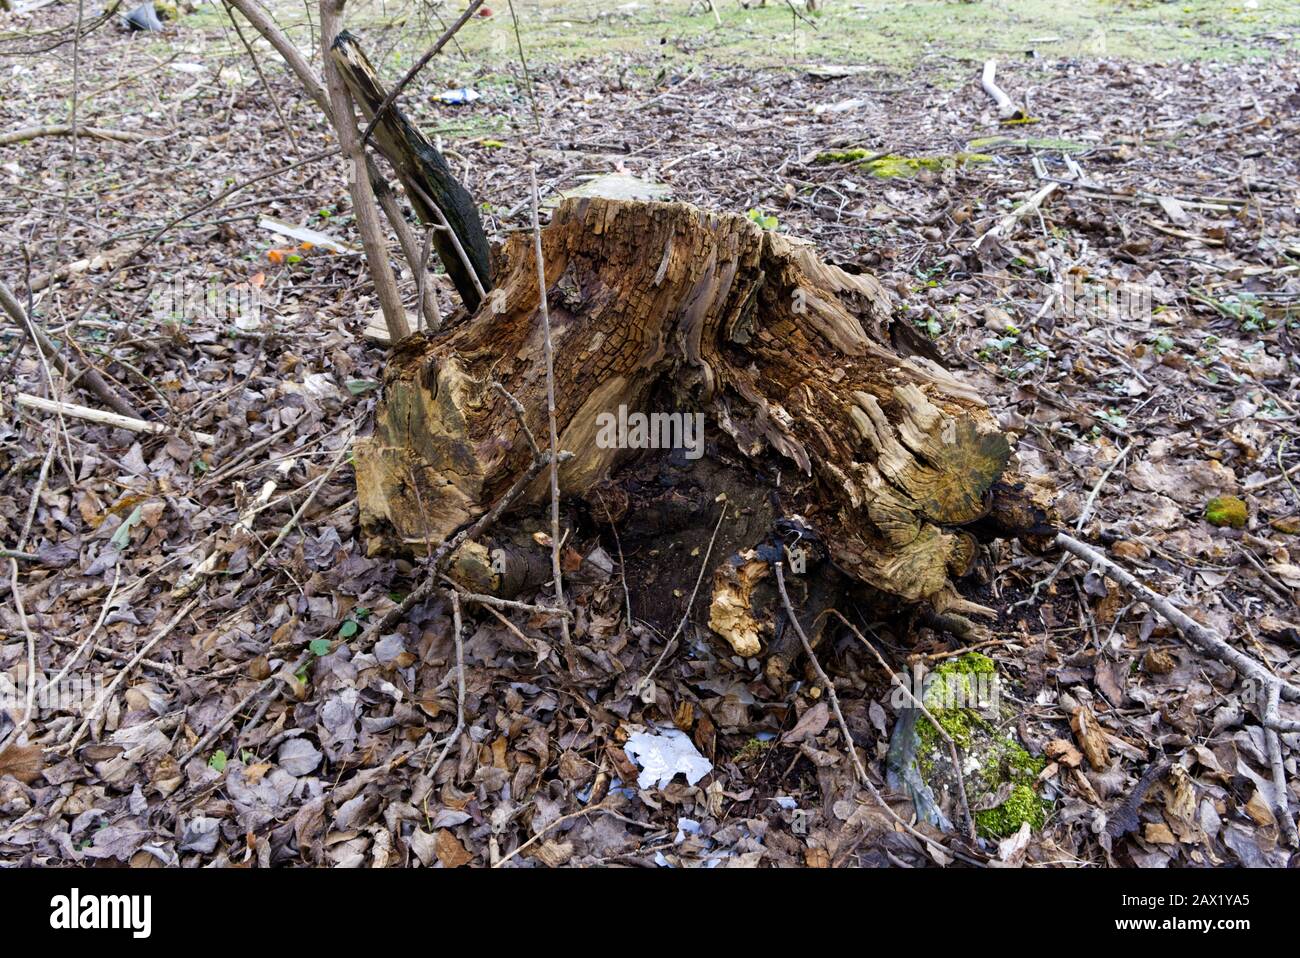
column 812, row 399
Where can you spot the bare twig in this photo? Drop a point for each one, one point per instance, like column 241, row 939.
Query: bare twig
column 126, row 670
column 365, row 207
column 94, row 382
column 642, row 685
column 1281, row 800
column 67, row 129
column 457, row 629
column 556, row 571
column 1199, row 635
column 105, row 418
column 426, row 588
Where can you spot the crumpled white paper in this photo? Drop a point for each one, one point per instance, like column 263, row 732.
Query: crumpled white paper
column 662, row 753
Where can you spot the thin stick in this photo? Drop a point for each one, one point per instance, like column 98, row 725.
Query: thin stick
column 668, row 646
column 213, row 733
column 523, row 60
column 598, row 807
column 67, row 129
column 1092, row 496
column 90, row 636
column 426, row 588
column 1200, row 636
column 339, row 458
column 103, row 418
column 460, row 684
column 127, row 670
column 556, row 571
column 497, row 602
column 365, row 208
column 94, row 382
column 1281, row 802
column 266, row 87
column 622, row 564
column 1008, row 222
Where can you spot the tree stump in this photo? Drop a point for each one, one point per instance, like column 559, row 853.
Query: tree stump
column 804, row 384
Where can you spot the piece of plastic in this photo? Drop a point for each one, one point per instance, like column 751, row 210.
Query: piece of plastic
column 460, row 95
column 663, row 753
column 144, row 18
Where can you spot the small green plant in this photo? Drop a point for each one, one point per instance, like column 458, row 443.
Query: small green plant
column 218, row 761
column 765, row 220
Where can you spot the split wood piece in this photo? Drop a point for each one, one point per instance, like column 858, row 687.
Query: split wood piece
column 792, row 362
column 437, row 196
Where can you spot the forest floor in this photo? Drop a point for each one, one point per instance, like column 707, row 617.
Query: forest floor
column 1138, row 335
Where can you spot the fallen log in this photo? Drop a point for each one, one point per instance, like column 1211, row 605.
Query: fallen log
column 742, row 362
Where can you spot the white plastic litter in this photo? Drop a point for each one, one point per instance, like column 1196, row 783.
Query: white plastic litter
column 662, row 753
column 458, row 96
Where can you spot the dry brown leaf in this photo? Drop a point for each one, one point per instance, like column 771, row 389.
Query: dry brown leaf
column 23, row 762
column 553, row 854
column 450, row 851
column 817, row 858
column 1158, row 833
column 1091, row 737
column 1063, row 751
column 1259, row 809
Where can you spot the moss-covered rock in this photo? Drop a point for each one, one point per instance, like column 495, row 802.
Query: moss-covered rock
column 1000, row 775
column 1226, row 511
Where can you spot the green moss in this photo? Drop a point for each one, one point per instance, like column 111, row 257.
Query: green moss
column 844, row 156
column 957, row 696
column 1022, row 805
column 1226, row 511
column 750, row 751
column 1026, row 143
column 889, row 165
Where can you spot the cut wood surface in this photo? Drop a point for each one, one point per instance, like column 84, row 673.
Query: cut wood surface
column 660, row 307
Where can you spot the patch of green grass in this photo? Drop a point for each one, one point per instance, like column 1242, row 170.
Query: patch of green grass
column 895, row 35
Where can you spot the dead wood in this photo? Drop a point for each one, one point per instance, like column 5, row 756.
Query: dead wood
column 438, row 198
column 885, row 455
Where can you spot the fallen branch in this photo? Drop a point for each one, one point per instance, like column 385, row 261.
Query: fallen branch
column 1208, row 641
column 1281, row 801
column 1199, row 635
column 65, row 129
column 93, row 381
column 103, row 418
column 1004, row 227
